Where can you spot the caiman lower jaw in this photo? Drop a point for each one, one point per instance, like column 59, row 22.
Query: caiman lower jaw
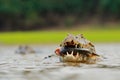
column 79, row 58
column 71, row 57
column 81, row 55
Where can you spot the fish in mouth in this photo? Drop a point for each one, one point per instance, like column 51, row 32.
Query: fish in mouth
column 76, row 49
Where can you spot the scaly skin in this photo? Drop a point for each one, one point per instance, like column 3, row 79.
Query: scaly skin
column 77, row 49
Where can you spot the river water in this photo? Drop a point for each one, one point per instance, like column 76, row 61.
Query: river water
column 34, row 66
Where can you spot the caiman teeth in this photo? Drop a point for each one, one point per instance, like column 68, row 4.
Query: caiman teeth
column 85, row 58
column 67, row 53
column 72, row 53
column 77, row 55
column 76, row 46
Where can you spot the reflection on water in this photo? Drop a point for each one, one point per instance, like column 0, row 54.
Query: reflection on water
column 36, row 67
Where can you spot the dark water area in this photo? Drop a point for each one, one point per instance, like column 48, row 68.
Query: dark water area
column 34, row 66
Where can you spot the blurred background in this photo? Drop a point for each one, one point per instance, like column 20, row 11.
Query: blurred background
column 41, row 25
column 52, row 15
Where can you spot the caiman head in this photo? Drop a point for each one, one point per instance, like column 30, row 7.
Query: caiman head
column 75, row 49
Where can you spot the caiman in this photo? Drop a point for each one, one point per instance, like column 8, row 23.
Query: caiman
column 77, row 49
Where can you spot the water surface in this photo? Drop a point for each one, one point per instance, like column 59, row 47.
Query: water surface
column 14, row 66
